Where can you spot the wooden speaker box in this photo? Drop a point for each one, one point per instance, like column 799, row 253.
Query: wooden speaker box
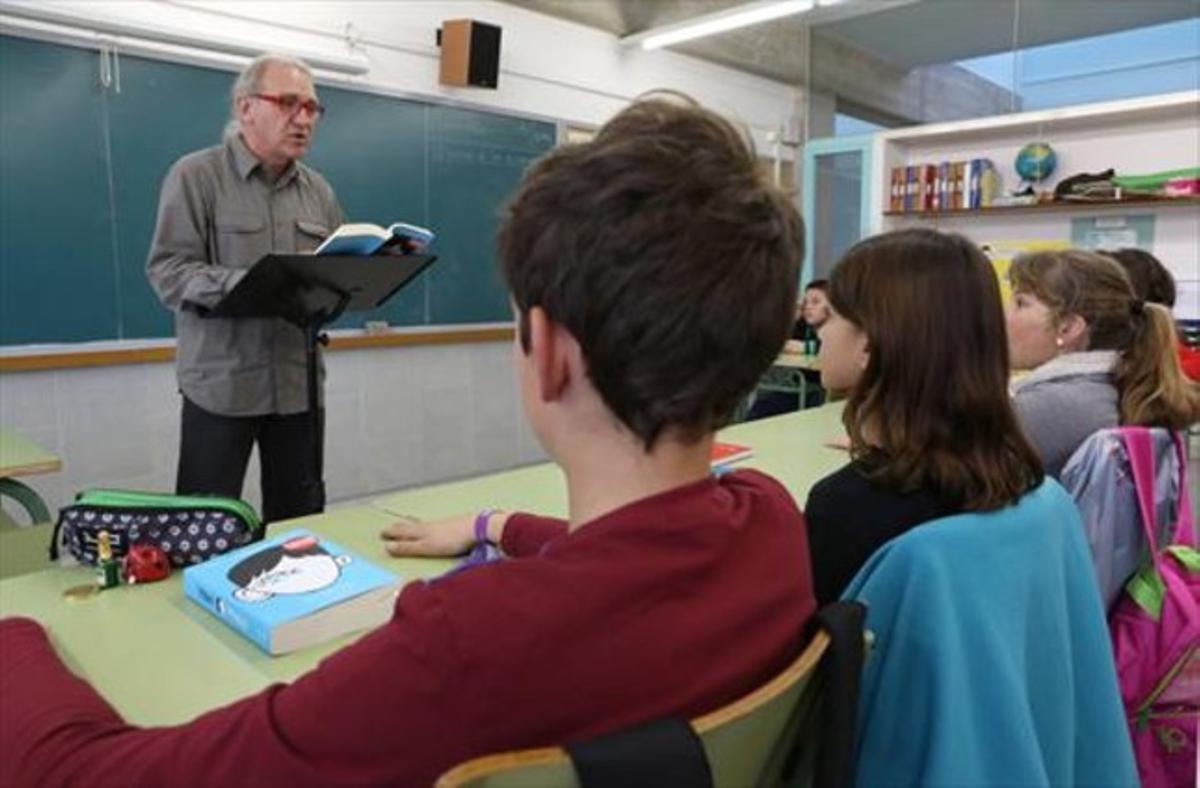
column 470, row 53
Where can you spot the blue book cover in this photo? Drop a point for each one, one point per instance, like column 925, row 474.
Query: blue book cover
column 366, row 239
column 293, row 590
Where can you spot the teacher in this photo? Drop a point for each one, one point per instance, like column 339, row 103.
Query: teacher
column 220, row 210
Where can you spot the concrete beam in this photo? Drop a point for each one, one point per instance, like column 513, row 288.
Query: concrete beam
column 779, row 50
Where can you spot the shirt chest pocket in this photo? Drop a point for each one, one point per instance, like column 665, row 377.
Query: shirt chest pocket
column 242, row 239
column 309, row 235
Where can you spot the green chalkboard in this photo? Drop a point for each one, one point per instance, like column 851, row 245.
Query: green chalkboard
column 81, row 165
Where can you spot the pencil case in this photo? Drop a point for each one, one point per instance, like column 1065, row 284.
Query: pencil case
column 188, row 528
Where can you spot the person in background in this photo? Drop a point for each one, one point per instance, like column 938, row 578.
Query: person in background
column 814, row 313
column 811, row 312
column 1100, row 355
column 668, row 591
column 926, row 439
column 1153, row 283
column 243, row 381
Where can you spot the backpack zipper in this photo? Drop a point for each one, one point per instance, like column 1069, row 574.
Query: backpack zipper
column 1143, row 711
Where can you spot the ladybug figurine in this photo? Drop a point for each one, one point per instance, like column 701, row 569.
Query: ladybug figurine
column 146, row 563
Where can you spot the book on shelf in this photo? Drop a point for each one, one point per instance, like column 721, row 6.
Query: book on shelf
column 364, row 238
column 292, row 591
column 728, row 453
column 910, row 188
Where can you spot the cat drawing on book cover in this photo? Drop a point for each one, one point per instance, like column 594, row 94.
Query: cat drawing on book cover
column 298, row 566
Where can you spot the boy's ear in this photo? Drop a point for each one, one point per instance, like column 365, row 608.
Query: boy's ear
column 549, row 348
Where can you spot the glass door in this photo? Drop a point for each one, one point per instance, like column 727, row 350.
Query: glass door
column 836, row 199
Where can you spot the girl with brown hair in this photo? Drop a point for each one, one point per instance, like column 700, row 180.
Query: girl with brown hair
column 1100, row 355
column 916, row 336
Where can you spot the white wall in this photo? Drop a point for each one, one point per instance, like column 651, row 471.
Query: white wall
column 396, row 416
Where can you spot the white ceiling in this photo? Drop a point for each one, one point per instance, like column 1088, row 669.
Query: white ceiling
column 908, row 34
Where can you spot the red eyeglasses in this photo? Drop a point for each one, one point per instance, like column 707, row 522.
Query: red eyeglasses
column 290, row 103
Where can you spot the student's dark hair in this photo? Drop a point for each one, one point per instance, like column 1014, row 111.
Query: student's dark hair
column 1150, row 278
column 264, row 561
column 818, row 284
column 1151, row 387
column 933, row 399
column 665, row 253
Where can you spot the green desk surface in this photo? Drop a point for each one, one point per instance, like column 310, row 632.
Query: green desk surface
column 159, row 659
column 20, row 456
column 798, row 361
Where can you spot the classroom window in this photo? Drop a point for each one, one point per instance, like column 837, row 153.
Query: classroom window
column 1145, row 61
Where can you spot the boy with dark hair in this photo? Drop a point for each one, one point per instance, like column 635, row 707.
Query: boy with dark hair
column 652, row 272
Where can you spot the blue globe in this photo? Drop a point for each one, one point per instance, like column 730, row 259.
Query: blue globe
column 1036, row 161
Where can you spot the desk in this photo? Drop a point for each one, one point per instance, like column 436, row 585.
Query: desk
column 22, row 457
column 788, row 374
column 798, row 361
column 159, row 659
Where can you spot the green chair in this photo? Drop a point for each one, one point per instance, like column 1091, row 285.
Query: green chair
column 746, row 743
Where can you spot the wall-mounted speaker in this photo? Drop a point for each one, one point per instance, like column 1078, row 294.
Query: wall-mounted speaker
column 470, row 53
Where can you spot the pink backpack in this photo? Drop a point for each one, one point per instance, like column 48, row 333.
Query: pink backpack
column 1156, row 632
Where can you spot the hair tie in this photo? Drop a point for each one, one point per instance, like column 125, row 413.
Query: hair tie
column 1139, row 307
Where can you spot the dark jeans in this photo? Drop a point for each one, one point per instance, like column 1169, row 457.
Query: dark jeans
column 215, row 450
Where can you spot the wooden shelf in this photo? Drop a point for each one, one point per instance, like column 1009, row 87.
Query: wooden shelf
column 1045, row 207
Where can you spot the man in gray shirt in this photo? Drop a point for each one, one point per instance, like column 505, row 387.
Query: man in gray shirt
column 220, row 210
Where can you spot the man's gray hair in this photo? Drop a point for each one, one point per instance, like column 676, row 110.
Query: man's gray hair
column 249, row 81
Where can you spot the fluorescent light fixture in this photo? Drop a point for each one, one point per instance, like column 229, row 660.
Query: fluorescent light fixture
column 83, row 17
column 720, row 22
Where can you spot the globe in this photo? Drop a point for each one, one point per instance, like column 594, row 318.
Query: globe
column 1036, row 161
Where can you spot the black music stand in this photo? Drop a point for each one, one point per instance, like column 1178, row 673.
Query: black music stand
column 310, row 292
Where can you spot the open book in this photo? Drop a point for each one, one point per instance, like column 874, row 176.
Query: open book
column 292, row 591
column 365, row 238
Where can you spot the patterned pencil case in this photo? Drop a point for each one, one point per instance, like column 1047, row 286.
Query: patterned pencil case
column 188, row 528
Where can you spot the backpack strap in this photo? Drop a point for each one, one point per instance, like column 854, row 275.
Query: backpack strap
column 1139, row 451
column 1139, row 448
column 1185, row 525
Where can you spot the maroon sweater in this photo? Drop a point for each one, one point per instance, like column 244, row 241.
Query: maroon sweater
column 674, row 605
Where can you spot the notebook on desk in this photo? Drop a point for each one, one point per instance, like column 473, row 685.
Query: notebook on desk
column 724, row 454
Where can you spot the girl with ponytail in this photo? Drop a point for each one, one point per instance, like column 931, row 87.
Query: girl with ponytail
column 1100, row 356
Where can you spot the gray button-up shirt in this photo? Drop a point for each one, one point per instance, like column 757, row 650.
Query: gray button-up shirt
column 219, row 213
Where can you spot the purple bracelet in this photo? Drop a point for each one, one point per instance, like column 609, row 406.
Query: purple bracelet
column 481, row 524
column 482, row 551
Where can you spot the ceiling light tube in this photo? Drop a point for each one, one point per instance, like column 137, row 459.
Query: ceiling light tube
column 719, row 22
column 347, row 63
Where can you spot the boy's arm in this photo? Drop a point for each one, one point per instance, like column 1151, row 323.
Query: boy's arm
column 520, row 534
column 362, row 716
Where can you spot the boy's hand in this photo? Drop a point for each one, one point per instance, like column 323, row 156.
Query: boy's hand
column 410, row 537
column 842, row 443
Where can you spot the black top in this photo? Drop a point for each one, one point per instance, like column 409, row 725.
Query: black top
column 803, row 332
column 849, row 518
